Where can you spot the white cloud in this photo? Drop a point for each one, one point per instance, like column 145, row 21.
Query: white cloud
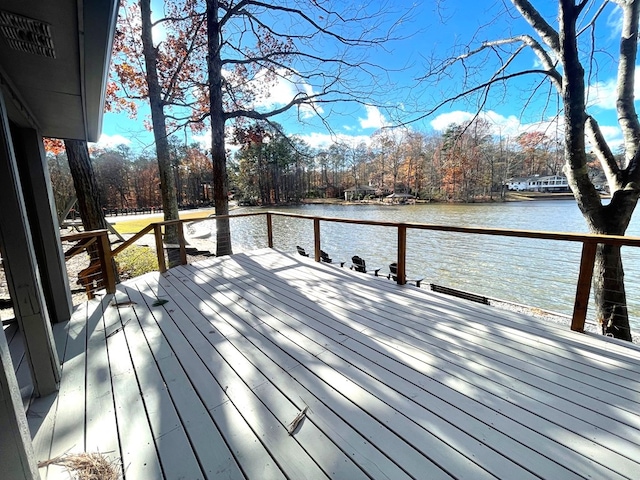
column 442, row 121
column 281, row 91
column 614, row 22
column 613, row 136
column 501, row 125
column 512, row 127
column 375, row 118
column 603, row 94
column 324, row 140
column 204, row 141
column 112, row 141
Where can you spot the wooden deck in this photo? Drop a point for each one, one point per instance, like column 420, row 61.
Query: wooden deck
column 399, row 382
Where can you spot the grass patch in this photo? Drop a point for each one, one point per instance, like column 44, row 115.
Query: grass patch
column 134, row 225
column 135, row 261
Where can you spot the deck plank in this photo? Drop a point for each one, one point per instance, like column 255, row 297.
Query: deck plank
column 405, row 319
column 631, row 466
column 260, row 351
column 167, row 428
column 457, row 415
column 137, row 443
column 416, row 393
column 373, row 432
column 52, row 419
column 399, row 415
column 200, row 363
column 210, row 450
column 279, row 395
column 101, row 426
column 399, row 382
column 239, row 383
column 474, row 345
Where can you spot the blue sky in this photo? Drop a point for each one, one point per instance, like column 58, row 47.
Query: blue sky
column 431, row 31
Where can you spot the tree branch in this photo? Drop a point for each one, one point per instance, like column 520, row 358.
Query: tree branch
column 548, row 34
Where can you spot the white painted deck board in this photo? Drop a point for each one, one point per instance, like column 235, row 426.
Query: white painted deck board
column 400, row 382
column 417, row 394
column 137, row 444
column 277, row 363
column 240, row 381
column 406, row 410
column 101, row 427
column 398, row 320
column 199, row 363
column 527, row 433
column 597, row 453
column 210, row 448
column 166, row 425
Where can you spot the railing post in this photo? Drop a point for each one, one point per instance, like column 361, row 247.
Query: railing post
column 270, row 229
column 162, row 265
column 181, row 243
column 106, row 261
column 316, row 238
column 402, row 254
column 583, row 290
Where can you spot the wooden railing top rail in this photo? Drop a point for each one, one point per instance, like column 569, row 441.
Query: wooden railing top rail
column 82, row 235
column 215, row 217
column 571, row 237
column 541, row 235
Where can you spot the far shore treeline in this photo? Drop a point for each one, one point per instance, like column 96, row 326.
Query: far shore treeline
column 464, row 164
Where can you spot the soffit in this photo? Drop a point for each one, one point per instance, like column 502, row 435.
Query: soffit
column 64, row 94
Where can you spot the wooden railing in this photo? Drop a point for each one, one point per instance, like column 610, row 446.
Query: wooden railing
column 100, row 273
column 583, row 288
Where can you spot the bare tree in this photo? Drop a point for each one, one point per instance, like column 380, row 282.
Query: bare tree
column 163, row 73
column 313, row 47
column 560, row 47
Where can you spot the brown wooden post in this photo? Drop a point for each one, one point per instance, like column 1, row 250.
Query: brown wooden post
column 270, row 229
column 181, row 242
column 583, row 289
column 106, row 262
column 402, row 254
column 162, row 265
column 316, row 238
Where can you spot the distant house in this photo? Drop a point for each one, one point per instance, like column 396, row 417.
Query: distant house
column 400, row 198
column 537, row 183
column 519, row 184
column 358, row 192
column 550, row 183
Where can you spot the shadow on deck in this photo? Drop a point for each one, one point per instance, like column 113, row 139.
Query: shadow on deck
column 399, row 382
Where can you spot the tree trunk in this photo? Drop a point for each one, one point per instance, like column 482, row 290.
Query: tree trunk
column 608, row 278
column 158, row 120
column 84, row 181
column 217, row 115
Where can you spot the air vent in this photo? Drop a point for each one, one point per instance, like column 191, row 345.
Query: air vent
column 26, row 34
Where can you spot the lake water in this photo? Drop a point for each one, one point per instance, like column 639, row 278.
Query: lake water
column 533, row 272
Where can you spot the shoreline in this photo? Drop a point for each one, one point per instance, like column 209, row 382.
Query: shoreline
column 510, row 197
